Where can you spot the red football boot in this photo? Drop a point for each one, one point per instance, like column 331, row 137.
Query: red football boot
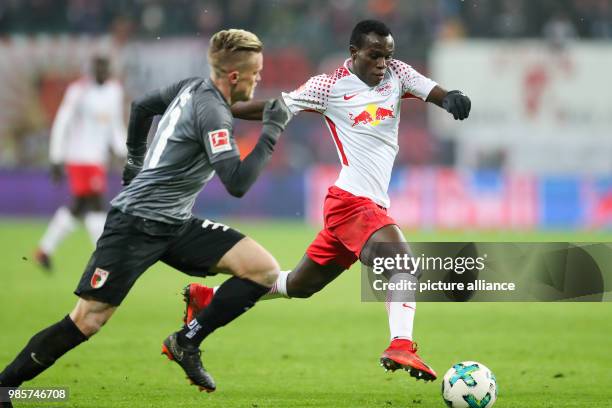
column 196, row 297
column 402, row 354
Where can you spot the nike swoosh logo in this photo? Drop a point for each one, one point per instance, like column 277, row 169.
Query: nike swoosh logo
column 33, row 356
column 348, row 97
column 407, row 305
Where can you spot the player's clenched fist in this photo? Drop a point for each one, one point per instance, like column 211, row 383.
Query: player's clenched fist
column 457, row 104
column 276, row 113
column 131, row 169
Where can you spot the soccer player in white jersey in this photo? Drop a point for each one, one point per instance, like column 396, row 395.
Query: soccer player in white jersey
column 360, row 103
column 88, row 124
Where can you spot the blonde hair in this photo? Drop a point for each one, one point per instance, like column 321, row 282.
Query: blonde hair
column 228, row 47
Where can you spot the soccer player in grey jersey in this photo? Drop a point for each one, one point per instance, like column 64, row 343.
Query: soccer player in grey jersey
column 151, row 218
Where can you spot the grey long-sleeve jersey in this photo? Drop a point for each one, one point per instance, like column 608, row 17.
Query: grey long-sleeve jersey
column 194, row 133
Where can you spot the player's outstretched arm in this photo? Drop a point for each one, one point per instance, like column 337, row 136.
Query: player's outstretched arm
column 238, row 176
column 251, row 110
column 454, row 102
column 142, row 112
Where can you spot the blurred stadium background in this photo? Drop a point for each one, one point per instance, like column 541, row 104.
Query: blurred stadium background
column 533, row 163
column 535, row 154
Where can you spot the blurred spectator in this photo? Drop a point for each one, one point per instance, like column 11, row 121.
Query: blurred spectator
column 478, row 19
column 87, row 16
column 319, row 26
column 559, row 30
column 601, row 24
column 511, row 21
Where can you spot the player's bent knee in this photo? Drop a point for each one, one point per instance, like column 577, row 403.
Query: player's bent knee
column 249, row 260
column 90, row 315
column 264, row 273
column 88, row 326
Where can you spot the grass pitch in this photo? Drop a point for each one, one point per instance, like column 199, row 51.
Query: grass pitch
column 321, row 352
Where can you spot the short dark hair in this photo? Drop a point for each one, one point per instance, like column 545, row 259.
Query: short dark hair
column 366, row 27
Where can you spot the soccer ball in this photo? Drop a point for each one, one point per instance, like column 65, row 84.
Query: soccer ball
column 469, row 385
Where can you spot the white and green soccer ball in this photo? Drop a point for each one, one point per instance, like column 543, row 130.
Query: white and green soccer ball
column 469, row 385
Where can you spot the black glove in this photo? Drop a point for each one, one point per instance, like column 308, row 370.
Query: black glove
column 132, row 167
column 457, row 104
column 57, row 173
column 276, row 113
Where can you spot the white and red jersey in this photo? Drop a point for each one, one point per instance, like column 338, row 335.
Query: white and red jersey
column 363, row 122
column 88, row 124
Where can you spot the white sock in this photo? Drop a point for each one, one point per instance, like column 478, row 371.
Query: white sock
column 62, row 223
column 94, row 222
column 401, row 319
column 279, row 289
column 401, row 308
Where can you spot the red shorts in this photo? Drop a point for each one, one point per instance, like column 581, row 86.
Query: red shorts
column 349, row 222
column 86, row 179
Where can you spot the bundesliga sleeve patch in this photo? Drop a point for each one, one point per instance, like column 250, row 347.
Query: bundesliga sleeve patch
column 219, row 141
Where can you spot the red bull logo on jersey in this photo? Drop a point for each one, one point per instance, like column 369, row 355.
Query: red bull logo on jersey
column 382, row 114
column 373, row 115
column 363, row 118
